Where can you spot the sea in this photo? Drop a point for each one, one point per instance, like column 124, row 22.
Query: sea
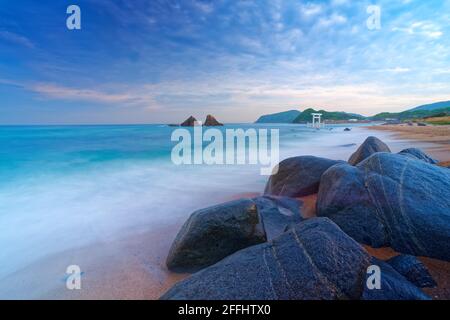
column 68, row 187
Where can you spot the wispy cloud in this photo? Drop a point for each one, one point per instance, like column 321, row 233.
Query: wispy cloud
column 422, row 28
column 16, row 39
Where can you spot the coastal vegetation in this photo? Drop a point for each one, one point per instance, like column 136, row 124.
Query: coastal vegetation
column 411, row 115
column 306, row 116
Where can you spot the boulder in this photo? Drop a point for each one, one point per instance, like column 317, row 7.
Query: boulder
column 211, row 234
column 393, row 286
column 189, row 122
column 278, row 214
column 418, row 154
column 211, row 122
column 298, row 176
column 390, row 200
column 314, row 260
column 412, row 269
column 369, row 147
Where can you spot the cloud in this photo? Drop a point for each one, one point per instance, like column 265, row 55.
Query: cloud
column 16, row 39
column 333, row 20
column 337, row 3
column 311, row 9
column 67, row 93
column 395, row 70
column 204, row 7
column 423, row 28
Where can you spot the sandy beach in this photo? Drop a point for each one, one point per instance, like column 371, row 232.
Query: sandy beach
column 435, row 140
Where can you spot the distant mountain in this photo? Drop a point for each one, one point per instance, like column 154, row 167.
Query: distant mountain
column 281, row 117
column 306, row 116
column 432, row 106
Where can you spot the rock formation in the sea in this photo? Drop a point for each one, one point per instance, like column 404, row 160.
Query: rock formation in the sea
column 390, row 200
column 418, row 154
column 412, row 269
column 313, row 260
column 189, row 122
column 393, row 286
column 211, row 234
column 298, row 176
column 211, row 122
column 369, row 147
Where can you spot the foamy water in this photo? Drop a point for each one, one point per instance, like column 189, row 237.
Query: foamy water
column 63, row 188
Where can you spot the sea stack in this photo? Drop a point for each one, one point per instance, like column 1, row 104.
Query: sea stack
column 190, row 122
column 211, row 122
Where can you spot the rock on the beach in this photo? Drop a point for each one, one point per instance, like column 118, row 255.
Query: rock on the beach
column 189, row 122
column 211, row 122
column 369, row 147
column 393, row 286
column 211, row 234
column 278, row 214
column 412, row 269
column 390, row 200
column 298, row 176
column 313, row 260
column 418, row 154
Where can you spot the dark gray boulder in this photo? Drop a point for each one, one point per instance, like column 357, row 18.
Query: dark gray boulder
column 298, row 176
column 278, row 214
column 313, row 260
column 390, row 200
column 418, row 154
column 211, row 234
column 413, row 269
column 343, row 198
column 393, row 286
column 370, row 146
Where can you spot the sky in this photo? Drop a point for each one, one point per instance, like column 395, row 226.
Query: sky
column 160, row 61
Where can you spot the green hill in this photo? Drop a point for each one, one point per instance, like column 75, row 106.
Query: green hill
column 281, row 117
column 412, row 114
column 306, row 116
column 432, row 106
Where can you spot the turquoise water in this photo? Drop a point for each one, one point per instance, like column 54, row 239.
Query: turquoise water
column 65, row 187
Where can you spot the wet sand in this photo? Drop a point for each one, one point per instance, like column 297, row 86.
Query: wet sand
column 434, row 139
column 129, row 268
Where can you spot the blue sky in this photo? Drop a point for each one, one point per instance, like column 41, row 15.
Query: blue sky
column 152, row 61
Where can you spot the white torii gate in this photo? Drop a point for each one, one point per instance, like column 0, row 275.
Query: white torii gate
column 316, row 120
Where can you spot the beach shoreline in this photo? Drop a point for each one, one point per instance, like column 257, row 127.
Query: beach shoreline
column 434, row 140
column 133, row 267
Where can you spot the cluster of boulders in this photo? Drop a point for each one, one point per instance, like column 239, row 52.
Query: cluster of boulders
column 263, row 248
column 209, row 122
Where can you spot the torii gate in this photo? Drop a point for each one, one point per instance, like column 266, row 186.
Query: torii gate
column 316, row 120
